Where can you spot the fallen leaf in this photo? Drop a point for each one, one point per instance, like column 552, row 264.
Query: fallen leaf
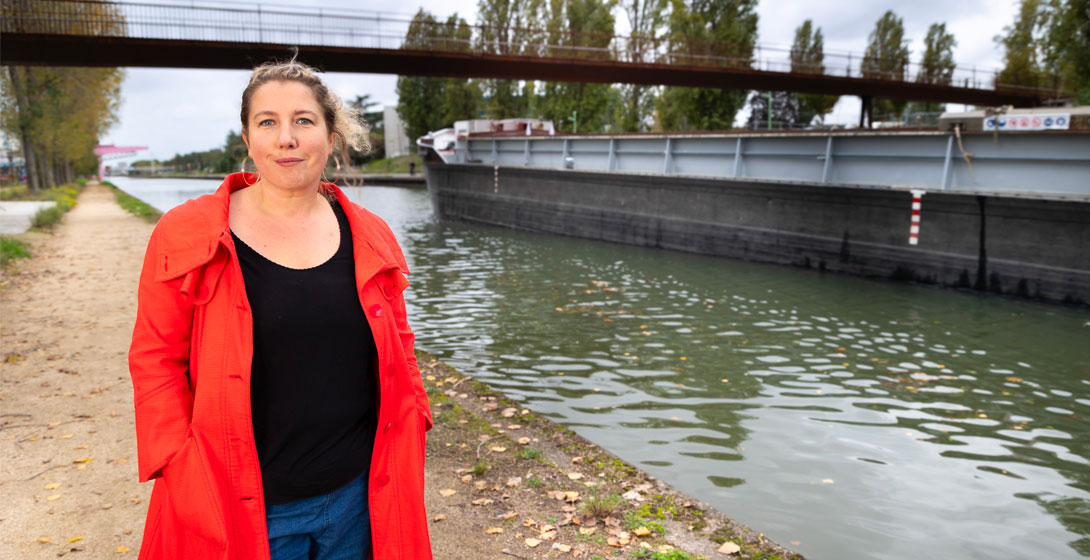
column 447, row 492
column 587, row 530
column 729, row 548
column 482, row 501
column 509, row 515
column 74, row 539
column 575, row 476
column 83, row 460
column 524, row 441
column 613, row 541
column 524, row 412
column 467, row 478
column 641, row 531
column 65, row 436
column 493, row 531
column 509, row 412
column 439, row 517
column 122, row 549
column 532, row 542
column 52, row 485
column 528, row 522
column 498, row 449
column 54, row 497
column 514, row 481
column 44, row 540
column 134, row 500
column 514, row 426
column 571, row 496
column 562, row 547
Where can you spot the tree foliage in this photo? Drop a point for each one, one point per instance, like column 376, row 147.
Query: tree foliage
column 886, row 58
column 1021, row 43
column 808, row 57
column 427, row 103
column 783, row 106
column 579, row 29
column 1048, row 45
column 647, row 20
column 725, row 30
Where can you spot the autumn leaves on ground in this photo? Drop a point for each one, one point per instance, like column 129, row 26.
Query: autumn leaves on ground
column 501, row 482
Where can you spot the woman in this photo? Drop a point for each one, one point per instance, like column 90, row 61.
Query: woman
column 279, row 407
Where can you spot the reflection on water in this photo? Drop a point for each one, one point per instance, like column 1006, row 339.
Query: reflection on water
column 861, row 419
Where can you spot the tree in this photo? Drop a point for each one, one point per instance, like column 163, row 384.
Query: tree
column 886, row 58
column 579, row 29
column 647, row 21
column 724, row 31
column 808, row 57
column 1021, row 44
column 506, row 29
column 1066, row 35
column 937, row 66
column 58, row 114
column 426, row 103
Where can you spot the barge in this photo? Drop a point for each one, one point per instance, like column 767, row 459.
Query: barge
column 975, row 203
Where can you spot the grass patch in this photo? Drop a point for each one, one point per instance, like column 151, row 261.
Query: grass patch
column 534, row 482
column 12, row 249
column 528, row 453
column 135, row 206
column 399, row 164
column 601, row 506
column 632, row 521
column 673, row 554
column 46, row 218
column 480, row 468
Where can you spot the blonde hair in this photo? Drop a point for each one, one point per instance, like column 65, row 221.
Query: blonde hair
column 342, row 121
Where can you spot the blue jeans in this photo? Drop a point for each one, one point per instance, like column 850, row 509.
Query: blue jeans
column 334, row 526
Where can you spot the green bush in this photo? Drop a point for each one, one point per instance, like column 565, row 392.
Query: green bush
column 11, row 249
column 46, row 218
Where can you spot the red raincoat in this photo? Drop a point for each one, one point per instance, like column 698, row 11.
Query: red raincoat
column 190, row 364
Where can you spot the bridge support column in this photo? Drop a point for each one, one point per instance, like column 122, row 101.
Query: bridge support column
column 866, row 111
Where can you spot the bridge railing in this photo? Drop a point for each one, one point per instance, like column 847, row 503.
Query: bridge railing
column 203, row 21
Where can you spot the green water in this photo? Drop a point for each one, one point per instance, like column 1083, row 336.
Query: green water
column 859, row 419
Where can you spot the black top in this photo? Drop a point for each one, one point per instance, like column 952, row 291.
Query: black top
column 312, row 388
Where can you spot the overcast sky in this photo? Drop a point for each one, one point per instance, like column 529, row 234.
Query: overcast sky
column 178, row 111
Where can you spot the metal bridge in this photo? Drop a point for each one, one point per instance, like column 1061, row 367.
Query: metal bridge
column 201, row 35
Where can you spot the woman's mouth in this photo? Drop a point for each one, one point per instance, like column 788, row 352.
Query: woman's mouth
column 288, row 161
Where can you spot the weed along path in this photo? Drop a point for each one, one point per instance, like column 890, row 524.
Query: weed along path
column 501, row 481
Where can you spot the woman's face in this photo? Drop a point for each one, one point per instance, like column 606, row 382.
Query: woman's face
column 287, row 136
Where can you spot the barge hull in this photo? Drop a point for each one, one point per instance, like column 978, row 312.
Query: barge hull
column 1035, row 248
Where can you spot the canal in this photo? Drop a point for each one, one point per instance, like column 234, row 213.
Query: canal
column 845, row 418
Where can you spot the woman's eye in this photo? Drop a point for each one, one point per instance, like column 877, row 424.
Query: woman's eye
column 304, row 120
column 266, row 122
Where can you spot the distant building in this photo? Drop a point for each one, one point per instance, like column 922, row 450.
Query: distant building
column 397, row 141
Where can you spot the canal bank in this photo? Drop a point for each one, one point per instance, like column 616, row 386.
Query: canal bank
column 68, row 480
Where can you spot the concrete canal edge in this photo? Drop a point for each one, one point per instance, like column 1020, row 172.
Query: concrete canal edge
column 520, row 485
column 1025, row 247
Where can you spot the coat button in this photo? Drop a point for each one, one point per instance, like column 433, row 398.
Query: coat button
column 382, row 480
column 376, row 310
column 387, row 427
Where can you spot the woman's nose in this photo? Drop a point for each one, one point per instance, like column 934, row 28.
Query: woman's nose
column 287, row 138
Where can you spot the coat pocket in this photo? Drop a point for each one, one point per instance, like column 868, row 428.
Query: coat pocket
column 192, row 498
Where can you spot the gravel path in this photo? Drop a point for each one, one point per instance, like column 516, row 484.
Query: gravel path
column 67, row 447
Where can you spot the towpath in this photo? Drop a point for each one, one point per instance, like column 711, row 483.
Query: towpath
column 501, row 482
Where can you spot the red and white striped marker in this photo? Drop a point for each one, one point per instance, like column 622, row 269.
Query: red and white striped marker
column 914, row 229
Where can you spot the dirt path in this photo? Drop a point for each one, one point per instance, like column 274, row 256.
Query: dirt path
column 67, row 445
column 501, row 482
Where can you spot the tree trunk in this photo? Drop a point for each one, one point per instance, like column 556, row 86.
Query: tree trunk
column 29, row 157
column 47, row 169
